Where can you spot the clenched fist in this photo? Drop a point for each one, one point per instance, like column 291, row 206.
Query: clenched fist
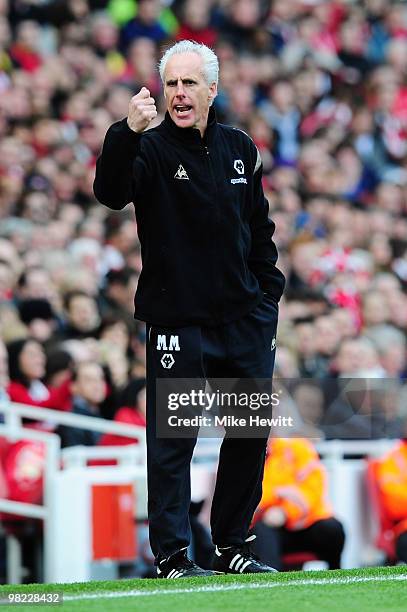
column 142, row 111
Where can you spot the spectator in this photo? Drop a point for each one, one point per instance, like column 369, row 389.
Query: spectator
column 360, row 408
column 145, row 24
column 375, row 310
column 392, row 483
column 281, row 114
column 27, row 369
column 119, row 243
column 141, row 65
column 118, row 296
column 195, row 23
column 105, row 38
column 82, row 316
column 306, row 346
column 88, row 388
column 391, row 346
column 132, row 411
column 58, row 367
column 38, row 316
column 240, row 23
column 55, row 12
column 35, row 283
column 294, row 514
column 326, row 343
column 358, row 358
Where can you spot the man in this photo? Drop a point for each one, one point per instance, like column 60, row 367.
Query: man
column 118, row 294
column 88, row 388
column 35, row 283
column 391, row 476
column 39, row 317
column 82, row 316
column 294, row 514
column 209, row 280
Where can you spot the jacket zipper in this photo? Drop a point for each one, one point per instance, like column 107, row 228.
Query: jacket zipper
column 216, row 238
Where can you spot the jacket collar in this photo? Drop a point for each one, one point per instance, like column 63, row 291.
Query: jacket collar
column 192, row 135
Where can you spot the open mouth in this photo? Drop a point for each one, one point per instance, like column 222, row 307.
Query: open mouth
column 182, row 109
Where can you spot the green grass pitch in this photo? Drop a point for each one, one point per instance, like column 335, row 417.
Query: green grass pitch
column 367, row 590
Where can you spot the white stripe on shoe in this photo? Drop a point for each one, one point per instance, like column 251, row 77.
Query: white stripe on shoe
column 175, row 574
column 235, row 558
column 242, row 569
column 238, row 564
column 171, row 573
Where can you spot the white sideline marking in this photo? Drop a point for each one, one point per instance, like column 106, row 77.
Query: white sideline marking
column 235, row 587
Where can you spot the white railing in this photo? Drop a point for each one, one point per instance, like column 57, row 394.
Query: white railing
column 14, row 414
column 207, row 449
column 14, row 430
column 79, row 456
column 342, row 449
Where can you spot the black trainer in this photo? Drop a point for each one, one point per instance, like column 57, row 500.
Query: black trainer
column 179, row 566
column 239, row 560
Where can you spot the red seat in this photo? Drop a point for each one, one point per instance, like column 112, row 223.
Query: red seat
column 385, row 540
column 296, row 560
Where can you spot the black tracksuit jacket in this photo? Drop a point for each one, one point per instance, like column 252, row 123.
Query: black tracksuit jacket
column 202, row 218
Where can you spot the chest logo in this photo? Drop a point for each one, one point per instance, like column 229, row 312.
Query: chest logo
column 239, row 166
column 181, row 173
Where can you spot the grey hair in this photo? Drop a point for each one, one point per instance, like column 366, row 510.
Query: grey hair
column 210, row 61
column 385, row 336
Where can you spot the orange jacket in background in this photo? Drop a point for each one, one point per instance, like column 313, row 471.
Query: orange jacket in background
column 391, row 474
column 296, row 481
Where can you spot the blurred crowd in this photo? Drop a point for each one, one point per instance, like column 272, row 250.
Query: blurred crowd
column 320, row 85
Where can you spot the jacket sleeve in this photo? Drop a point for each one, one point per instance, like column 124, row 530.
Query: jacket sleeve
column 263, row 254
column 392, row 482
column 120, row 169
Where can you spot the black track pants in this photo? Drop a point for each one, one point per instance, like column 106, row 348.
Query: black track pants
column 241, row 349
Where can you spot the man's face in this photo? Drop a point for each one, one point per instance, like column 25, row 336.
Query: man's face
column 90, row 383
column 186, row 91
column 82, row 313
column 32, row 360
column 38, row 284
